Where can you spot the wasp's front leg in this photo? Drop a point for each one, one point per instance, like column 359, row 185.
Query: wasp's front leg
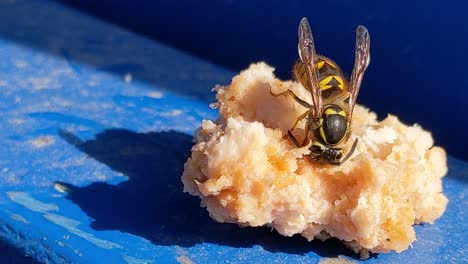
column 294, row 139
column 293, row 95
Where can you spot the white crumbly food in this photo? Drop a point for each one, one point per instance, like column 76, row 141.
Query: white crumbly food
column 246, row 171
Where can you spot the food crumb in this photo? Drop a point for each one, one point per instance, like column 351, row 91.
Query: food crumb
column 61, row 188
column 182, row 256
column 128, row 77
column 247, row 171
column 156, row 95
column 175, row 112
column 42, row 141
column 364, row 254
column 21, row 64
column 19, row 218
column 16, row 121
column 184, row 260
column 338, row 260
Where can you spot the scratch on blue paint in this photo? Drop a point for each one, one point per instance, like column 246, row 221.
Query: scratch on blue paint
column 132, row 260
column 29, row 202
column 71, row 225
column 32, row 204
column 182, row 256
column 19, row 218
column 63, row 244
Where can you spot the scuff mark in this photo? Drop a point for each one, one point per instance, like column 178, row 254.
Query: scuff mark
column 156, row 95
column 16, row 121
column 19, row 218
column 13, row 178
column 71, row 225
column 32, row 204
column 62, row 188
column 182, row 257
column 338, row 260
column 44, row 83
column 133, row 260
column 63, row 244
column 42, row 141
column 128, row 77
column 184, row 260
column 21, row 64
column 77, row 252
column 175, row 112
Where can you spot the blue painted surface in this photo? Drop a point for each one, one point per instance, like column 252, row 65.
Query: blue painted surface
column 68, row 114
column 419, row 58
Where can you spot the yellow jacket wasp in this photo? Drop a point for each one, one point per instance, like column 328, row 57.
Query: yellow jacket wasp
column 328, row 118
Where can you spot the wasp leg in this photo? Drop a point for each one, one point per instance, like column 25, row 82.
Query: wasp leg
column 293, row 95
column 304, row 115
column 306, row 133
column 351, row 151
column 293, row 139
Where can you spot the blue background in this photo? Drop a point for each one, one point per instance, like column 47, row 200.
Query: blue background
column 419, row 61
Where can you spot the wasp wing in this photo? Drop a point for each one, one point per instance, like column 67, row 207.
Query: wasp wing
column 361, row 61
column 308, row 56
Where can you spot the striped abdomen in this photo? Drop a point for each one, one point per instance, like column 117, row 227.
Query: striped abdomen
column 331, row 80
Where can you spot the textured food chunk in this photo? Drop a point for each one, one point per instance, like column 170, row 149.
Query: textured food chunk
column 246, row 171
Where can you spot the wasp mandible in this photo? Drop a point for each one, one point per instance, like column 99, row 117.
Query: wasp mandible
column 328, row 118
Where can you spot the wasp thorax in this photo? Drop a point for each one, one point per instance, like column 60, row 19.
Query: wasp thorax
column 334, row 125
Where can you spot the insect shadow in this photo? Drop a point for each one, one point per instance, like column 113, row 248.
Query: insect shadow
column 152, row 204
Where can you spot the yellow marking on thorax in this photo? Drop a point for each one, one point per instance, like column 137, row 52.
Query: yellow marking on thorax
column 320, row 64
column 330, row 111
column 325, row 83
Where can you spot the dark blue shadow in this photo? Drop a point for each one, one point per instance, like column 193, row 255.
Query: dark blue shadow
column 12, row 255
column 151, row 204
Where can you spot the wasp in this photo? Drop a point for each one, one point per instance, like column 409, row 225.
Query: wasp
column 328, row 118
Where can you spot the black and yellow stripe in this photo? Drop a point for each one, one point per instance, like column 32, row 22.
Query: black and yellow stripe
column 317, row 148
column 331, row 80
